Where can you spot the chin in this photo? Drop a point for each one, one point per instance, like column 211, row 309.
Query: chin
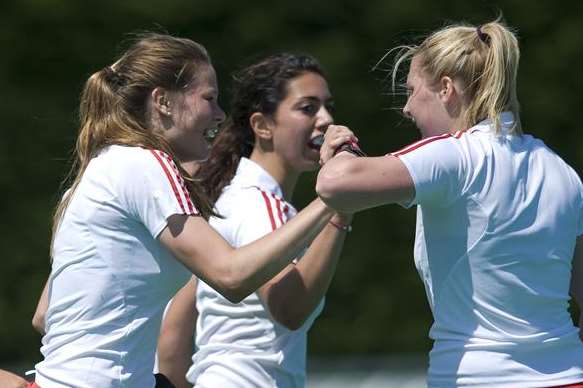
column 311, row 165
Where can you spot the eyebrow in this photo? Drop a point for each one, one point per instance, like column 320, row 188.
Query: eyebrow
column 316, row 99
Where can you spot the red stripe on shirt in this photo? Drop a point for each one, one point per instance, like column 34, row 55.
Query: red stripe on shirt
column 279, row 212
column 420, row 143
column 269, row 209
column 170, row 179
column 181, row 181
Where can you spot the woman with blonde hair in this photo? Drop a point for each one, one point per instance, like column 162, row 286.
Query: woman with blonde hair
column 499, row 239
column 133, row 227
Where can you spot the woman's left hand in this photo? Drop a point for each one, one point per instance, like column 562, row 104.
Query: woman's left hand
column 335, row 136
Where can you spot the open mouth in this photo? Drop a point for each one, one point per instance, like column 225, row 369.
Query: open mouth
column 316, row 142
column 210, row 134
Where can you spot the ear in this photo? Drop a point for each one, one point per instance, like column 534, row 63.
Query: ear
column 161, row 101
column 261, row 125
column 447, row 89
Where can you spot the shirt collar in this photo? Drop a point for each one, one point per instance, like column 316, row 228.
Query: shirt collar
column 250, row 174
column 506, row 122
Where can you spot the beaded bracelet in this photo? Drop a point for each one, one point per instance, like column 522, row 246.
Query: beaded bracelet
column 344, row 228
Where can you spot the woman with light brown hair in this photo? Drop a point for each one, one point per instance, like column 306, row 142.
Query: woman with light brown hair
column 132, row 228
column 499, row 239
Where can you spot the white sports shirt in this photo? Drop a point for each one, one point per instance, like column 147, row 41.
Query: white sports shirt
column 240, row 345
column 111, row 278
column 497, row 220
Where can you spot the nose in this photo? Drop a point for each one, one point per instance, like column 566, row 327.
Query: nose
column 324, row 119
column 219, row 114
column 406, row 110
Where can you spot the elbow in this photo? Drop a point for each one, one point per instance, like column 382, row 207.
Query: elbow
column 292, row 323
column 233, row 289
column 38, row 323
column 289, row 314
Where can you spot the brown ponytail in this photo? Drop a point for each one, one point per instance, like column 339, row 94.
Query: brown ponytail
column 113, row 106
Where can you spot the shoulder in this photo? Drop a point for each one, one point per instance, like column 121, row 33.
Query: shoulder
column 135, row 163
column 249, row 201
column 433, row 143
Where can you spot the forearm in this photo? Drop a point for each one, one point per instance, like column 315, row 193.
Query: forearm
column 10, row 380
column 350, row 184
column 176, row 343
column 275, row 251
column 293, row 295
column 236, row 273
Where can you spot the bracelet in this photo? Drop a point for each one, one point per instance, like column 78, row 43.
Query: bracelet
column 344, row 228
column 350, row 146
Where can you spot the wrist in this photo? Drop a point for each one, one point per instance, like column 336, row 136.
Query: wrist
column 350, row 146
column 342, row 218
column 344, row 227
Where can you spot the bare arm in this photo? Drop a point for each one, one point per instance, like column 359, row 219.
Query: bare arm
column 38, row 319
column 577, row 281
column 349, row 184
column 236, row 273
column 176, row 344
column 10, row 380
column 294, row 293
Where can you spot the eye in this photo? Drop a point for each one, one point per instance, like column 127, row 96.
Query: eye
column 330, row 107
column 309, row 109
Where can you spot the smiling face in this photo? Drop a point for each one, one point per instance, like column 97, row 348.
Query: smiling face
column 304, row 113
column 425, row 105
column 194, row 111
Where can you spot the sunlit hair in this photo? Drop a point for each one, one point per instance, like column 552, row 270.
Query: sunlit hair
column 483, row 59
column 114, row 105
column 258, row 88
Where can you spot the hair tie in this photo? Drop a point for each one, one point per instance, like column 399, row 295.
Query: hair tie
column 113, row 77
column 483, row 36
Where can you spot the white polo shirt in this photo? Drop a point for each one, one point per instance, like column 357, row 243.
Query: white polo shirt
column 497, row 220
column 111, row 278
column 240, row 345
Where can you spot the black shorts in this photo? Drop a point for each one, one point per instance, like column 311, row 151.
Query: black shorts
column 162, row 381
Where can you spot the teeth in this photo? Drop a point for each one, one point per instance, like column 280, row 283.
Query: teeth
column 211, row 133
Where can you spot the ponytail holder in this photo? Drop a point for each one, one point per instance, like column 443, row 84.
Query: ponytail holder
column 113, row 77
column 483, row 36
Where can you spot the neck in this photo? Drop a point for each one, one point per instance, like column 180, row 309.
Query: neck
column 191, row 166
column 284, row 175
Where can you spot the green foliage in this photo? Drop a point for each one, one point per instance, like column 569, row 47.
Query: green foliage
column 376, row 303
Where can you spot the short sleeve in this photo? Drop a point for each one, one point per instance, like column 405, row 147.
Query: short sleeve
column 152, row 189
column 438, row 169
column 265, row 213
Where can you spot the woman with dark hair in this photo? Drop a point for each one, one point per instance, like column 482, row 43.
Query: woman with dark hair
column 280, row 106
column 133, row 227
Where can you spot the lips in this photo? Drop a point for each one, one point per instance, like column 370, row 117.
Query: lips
column 316, row 142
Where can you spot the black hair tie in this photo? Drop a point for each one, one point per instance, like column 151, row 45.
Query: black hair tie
column 113, row 77
column 483, row 36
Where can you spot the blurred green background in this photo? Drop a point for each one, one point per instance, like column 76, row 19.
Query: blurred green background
column 376, row 304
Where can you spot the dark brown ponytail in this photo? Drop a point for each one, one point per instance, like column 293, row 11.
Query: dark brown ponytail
column 257, row 88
